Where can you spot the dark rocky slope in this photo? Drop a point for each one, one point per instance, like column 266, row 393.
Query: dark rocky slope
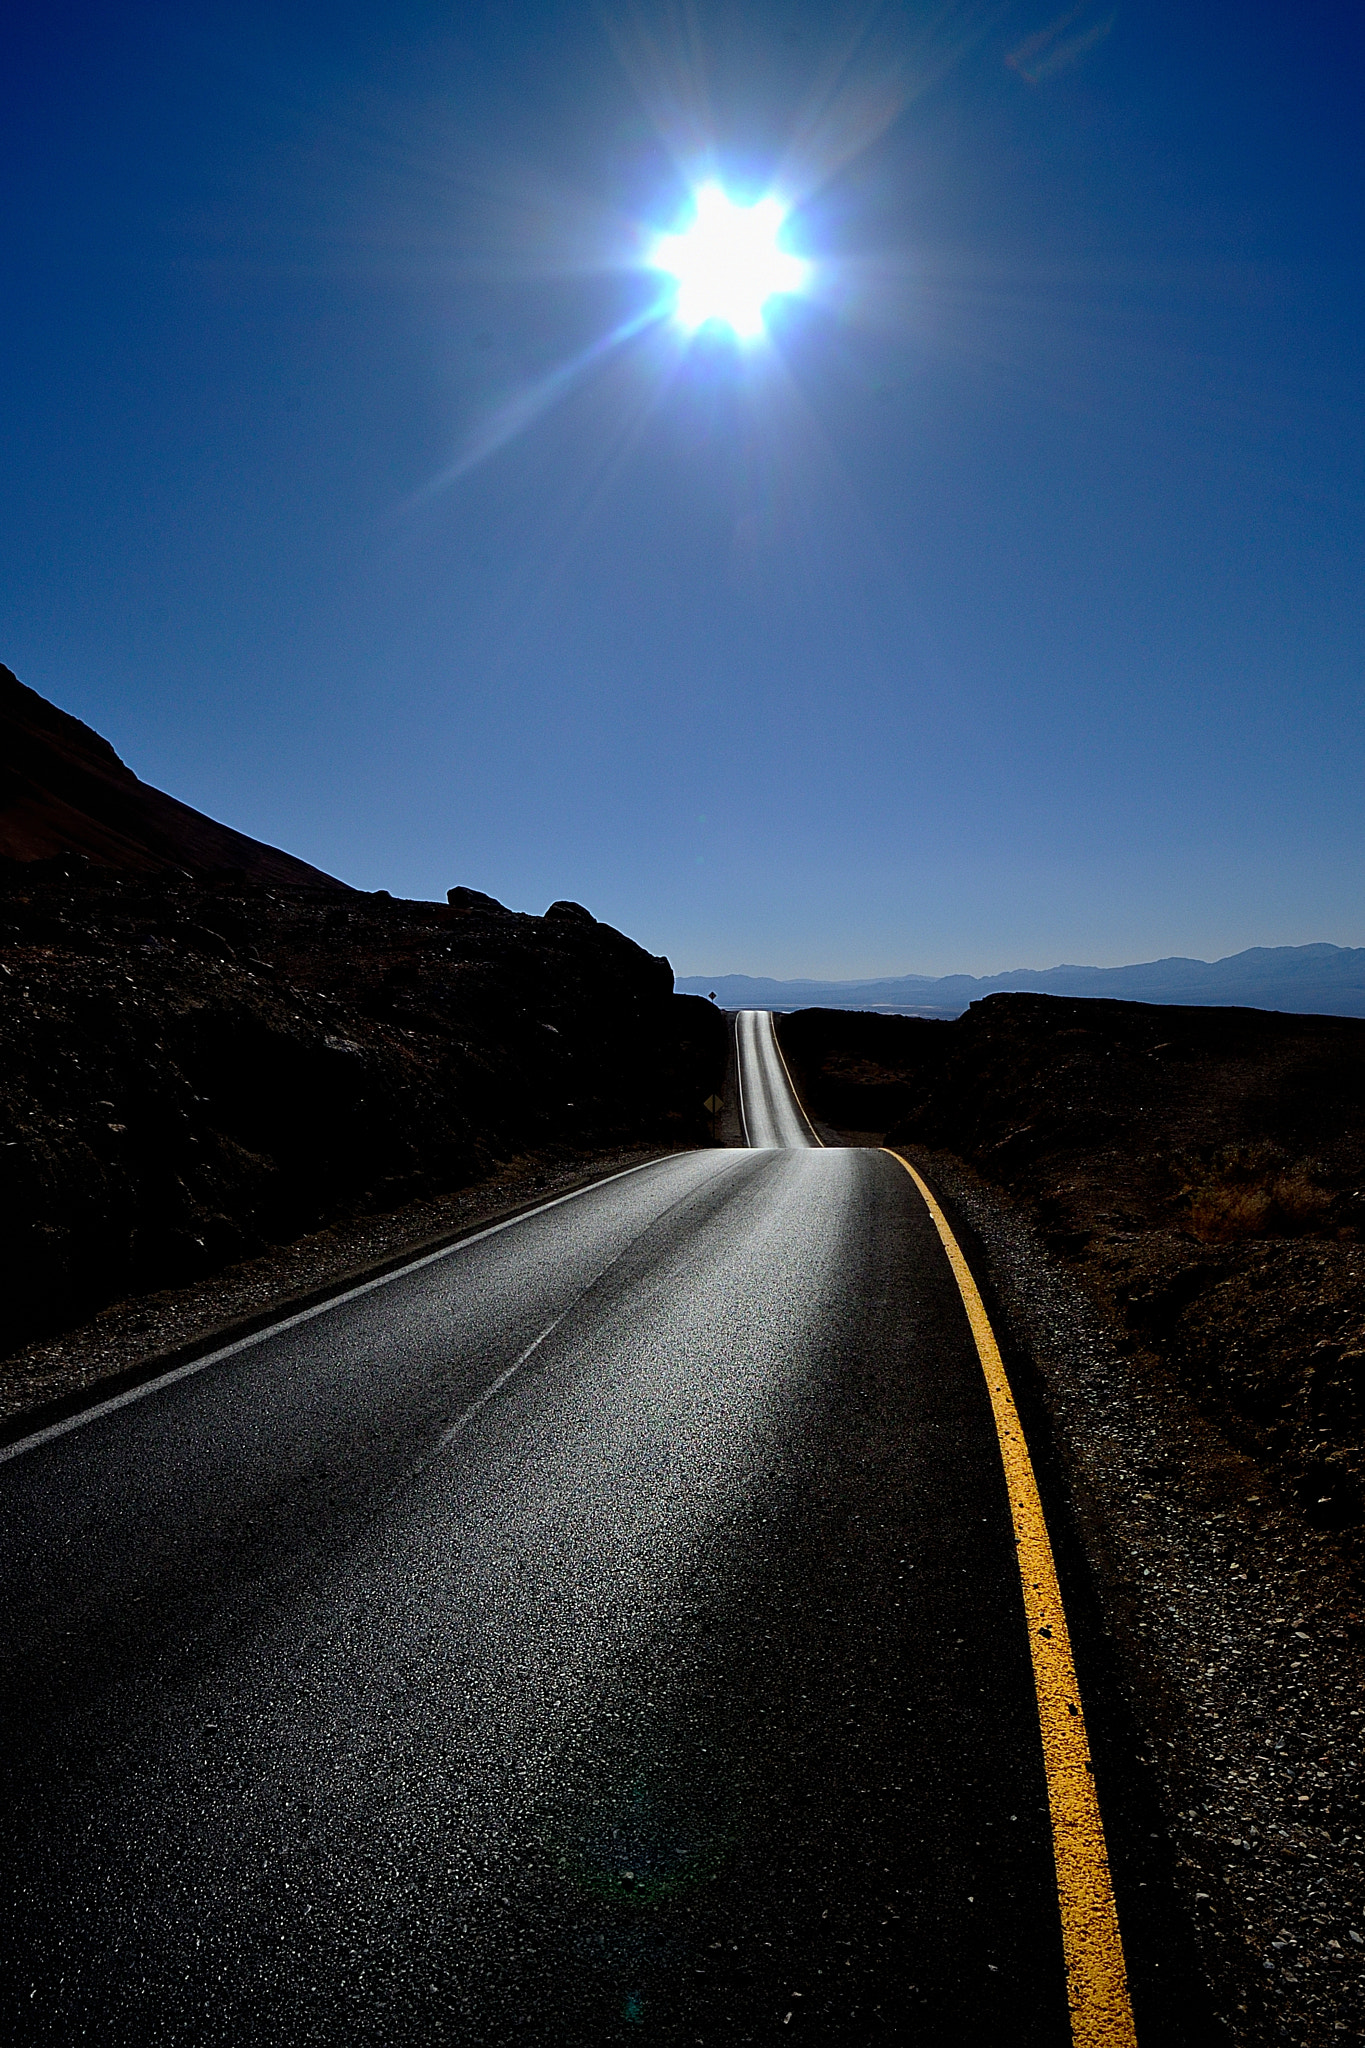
column 1202, row 1170
column 63, row 790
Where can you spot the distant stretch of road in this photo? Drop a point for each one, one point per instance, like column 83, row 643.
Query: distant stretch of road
column 770, row 1113
column 607, row 1629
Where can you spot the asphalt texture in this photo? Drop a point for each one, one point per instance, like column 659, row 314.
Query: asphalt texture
column 607, row 1630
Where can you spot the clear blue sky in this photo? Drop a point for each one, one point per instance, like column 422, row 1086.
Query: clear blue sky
column 1004, row 607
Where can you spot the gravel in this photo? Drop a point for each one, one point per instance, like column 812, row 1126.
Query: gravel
column 1240, row 1641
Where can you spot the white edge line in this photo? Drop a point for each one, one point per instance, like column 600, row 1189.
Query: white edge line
column 319, row 1308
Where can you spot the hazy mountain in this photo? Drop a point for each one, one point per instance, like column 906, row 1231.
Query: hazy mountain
column 1324, row 980
column 64, row 790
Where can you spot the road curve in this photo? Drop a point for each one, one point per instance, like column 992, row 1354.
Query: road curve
column 770, row 1114
column 606, row 1629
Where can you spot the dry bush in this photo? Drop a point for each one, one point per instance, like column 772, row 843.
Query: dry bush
column 1252, row 1191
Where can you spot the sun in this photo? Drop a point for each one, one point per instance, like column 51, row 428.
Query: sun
column 728, row 263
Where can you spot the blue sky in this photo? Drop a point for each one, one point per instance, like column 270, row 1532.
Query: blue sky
column 1003, row 607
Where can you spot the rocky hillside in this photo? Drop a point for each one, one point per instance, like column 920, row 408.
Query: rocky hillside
column 1203, row 1170
column 63, row 790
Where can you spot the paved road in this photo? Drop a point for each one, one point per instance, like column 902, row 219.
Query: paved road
column 770, row 1114
column 607, row 1630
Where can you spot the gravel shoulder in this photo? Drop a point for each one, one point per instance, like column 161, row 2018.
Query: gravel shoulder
column 1238, row 1636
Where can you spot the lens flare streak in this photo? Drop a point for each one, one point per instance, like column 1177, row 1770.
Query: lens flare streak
column 526, row 406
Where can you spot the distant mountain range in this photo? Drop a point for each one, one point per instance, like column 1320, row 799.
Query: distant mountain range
column 1321, row 980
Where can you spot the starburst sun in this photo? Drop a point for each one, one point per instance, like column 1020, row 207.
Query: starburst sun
column 729, row 263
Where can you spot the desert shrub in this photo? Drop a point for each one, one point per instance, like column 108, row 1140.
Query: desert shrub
column 1252, row 1191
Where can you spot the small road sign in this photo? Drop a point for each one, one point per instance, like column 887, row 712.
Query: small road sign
column 714, row 1104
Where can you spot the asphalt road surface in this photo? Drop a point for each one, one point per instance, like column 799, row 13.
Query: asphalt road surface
column 605, row 1630
column 770, row 1114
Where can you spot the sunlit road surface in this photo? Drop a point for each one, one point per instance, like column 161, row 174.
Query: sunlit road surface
column 770, row 1114
column 606, row 1630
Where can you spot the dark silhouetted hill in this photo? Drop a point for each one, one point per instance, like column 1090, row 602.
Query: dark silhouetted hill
column 63, row 790
column 194, row 1069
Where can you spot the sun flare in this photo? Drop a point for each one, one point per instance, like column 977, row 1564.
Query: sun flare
column 728, row 263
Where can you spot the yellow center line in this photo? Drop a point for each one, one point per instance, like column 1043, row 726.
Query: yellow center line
column 1096, row 1978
